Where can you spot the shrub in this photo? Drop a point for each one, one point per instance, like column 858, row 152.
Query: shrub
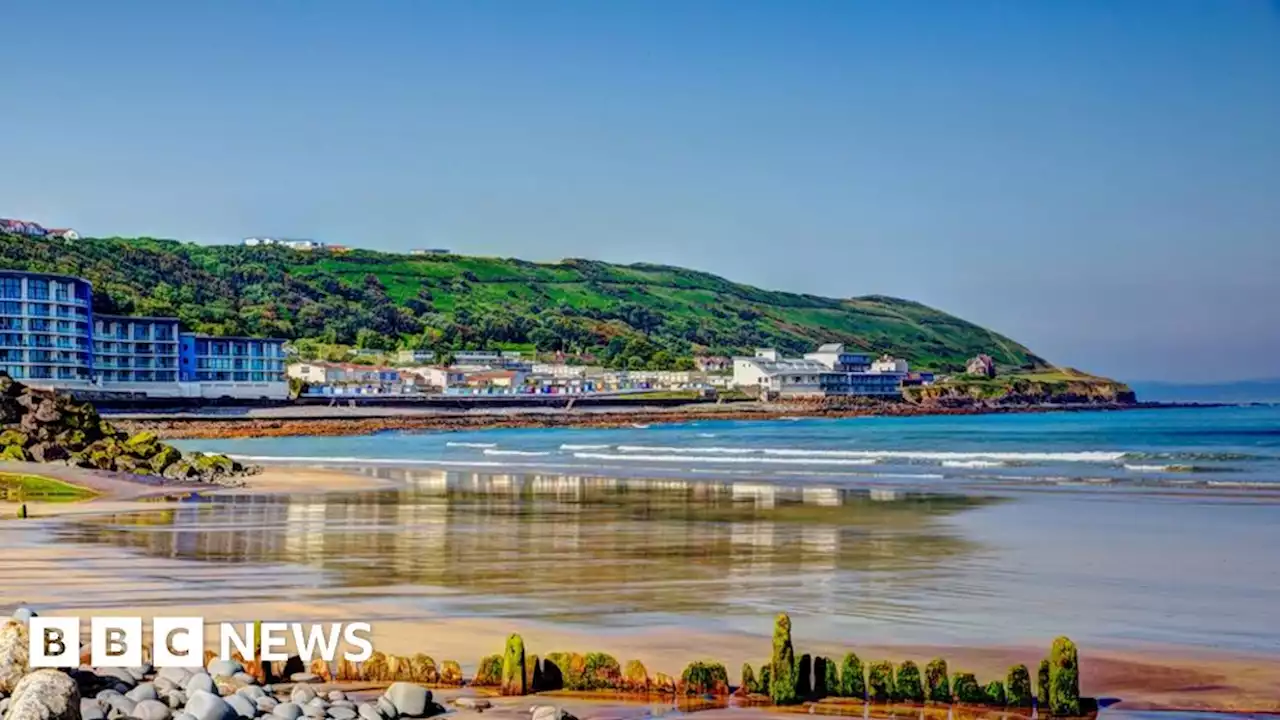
column 966, row 689
column 704, row 678
column 853, row 682
column 1042, row 685
column 908, row 684
column 1064, row 678
column 880, row 682
column 782, row 685
column 995, row 693
column 513, row 668
column 1018, row 684
column 749, row 679
column 635, row 677
column 804, row 672
column 937, row 686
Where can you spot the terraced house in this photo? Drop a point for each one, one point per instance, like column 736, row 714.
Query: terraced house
column 50, row 337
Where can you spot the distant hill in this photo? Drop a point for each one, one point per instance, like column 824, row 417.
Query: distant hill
column 638, row 315
column 1244, row 391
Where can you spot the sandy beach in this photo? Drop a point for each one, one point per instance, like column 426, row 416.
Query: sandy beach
column 90, row 580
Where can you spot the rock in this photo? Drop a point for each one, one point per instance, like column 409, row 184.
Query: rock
column 225, row 668
column 386, row 708
column 14, row 662
column 145, row 691
column 408, row 698
column 243, row 706
column 23, row 614
column 164, row 684
column 336, row 695
column 4, row 706
column 343, row 703
column 45, row 695
column 305, row 677
column 184, row 716
column 549, row 712
column 200, row 682
column 288, row 711
column 207, row 706
column 116, row 701
column 342, row 713
column 472, row 703
column 253, row 692
column 318, row 702
column 140, row 672
column 313, row 712
column 175, row 675
column 152, row 710
column 450, row 673
column 164, row 457
column 369, row 711
column 176, row 699
column 266, row 704
column 92, row 709
column 244, row 678
column 302, row 695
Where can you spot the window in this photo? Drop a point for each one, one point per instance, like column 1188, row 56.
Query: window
column 38, row 289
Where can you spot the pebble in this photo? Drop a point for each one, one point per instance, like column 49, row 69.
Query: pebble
column 387, row 708
column 4, row 705
column 145, row 691
column 305, row 677
column 408, row 698
column 313, row 712
column 549, row 712
column 176, row 699
column 253, row 692
column 318, row 702
column 369, row 711
column 224, row 668
column 207, row 706
column 288, row 711
column 184, row 716
column 336, row 695
column 91, row 709
column 266, row 704
column 200, row 682
column 473, row 703
column 140, row 672
column 114, row 673
column 343, row 703
column 151, row 710
column 342, row 713
column 245, row 678
column 302, row 694
column 175, row 675
column 164, row 684
column 116, row 701
column 24, row 614
column 243, row 706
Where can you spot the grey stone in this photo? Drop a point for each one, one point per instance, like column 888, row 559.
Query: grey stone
column 549, row 712
column 45, row 695
column 141, row 672
column 115, row 713
column 224, row 668
column 369, row 711
column 318, row 702
column 145, row 691
column 386, row 707
column 243, row 706
column 14, row 661
column 288, row 711
column 200, row 682
column 4, row 705
column 164, row 684
column 244, row 678
column 119, row 675
column 184, row 716
column 176, row 675
column 176, row 699
column 302, row 694
column 343, row 703
column 253, row 692
column 207, row 706
column 266, row 704
column 116, row 701
column 92, row 709
column 305, row 677
column 313, row 712
column 408, row 698
column 342, row 713
column 336, row 695
column 472, row 703
column 152, row 710
column 24, row 615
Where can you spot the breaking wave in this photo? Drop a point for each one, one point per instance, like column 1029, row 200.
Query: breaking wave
column 1087, row 456
column 518, row 453
column 470, row 444
column 681, row 458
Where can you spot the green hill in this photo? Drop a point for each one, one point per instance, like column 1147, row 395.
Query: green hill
column 638, row 315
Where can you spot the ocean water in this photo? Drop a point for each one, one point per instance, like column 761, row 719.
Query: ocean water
column 1222, row 448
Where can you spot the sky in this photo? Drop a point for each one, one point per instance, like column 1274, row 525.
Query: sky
column 1098, row 179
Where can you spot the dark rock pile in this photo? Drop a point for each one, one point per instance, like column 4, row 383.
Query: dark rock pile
column 47, row 427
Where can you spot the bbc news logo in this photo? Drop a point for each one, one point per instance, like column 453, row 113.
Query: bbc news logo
column 180, row 641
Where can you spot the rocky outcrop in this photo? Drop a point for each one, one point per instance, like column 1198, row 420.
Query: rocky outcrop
column 1064, row 388
column 46, row 427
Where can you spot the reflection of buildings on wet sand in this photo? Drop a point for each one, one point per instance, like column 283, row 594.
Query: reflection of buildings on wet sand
column 577, row 544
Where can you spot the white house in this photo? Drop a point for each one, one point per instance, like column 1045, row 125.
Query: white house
column 830, row 371
column 778, row 376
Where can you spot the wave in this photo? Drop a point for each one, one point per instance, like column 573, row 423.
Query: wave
column 706, row 435
column 972, row 463
column 679, row 458
column 330, row 460
column 1089, row 456
column 568, row 446
column 1194, row 456
column 1175, row 468
column 470, row 444
column 518, row 453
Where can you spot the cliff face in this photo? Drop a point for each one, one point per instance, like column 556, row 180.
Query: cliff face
column 1066, row 387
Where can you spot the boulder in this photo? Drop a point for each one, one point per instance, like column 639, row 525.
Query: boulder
column 48, row 452
column 288, row 711
column 14, row 437
column 180, row 470
column 15, row 453
column 408, row 698
column 14, row 659
column 549, row 712
column 152, row 710
column 165, row 456
column 45, row 695
column 207, row 706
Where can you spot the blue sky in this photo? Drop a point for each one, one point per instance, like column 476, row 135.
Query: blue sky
column 1097, row 179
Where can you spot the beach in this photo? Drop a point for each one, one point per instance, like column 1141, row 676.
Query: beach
column 981, row 548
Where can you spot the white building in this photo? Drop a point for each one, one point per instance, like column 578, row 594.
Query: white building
column 829, row 371
column 408, row 357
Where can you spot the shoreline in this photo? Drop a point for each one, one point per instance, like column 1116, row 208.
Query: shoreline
column 323, row 422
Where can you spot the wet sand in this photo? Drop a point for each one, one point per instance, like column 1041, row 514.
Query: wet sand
column 106, row 580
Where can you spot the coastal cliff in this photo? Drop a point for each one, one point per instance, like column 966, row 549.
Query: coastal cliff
column 1065, row 386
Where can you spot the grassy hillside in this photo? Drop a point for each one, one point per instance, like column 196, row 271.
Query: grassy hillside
column 638, row 315
column 1057, row 385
